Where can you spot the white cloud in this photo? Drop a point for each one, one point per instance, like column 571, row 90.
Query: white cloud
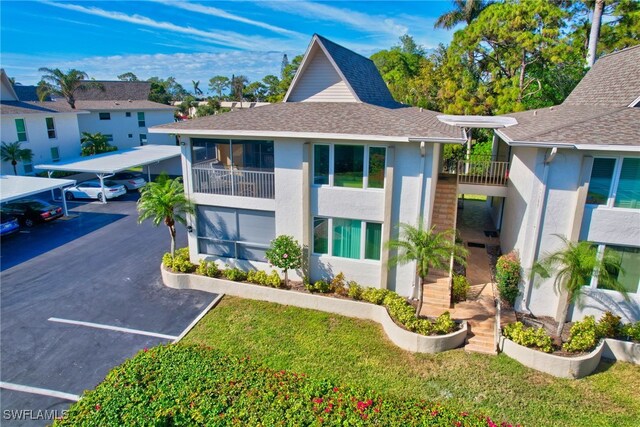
column 224, row 38
column 214, row 11
column 183, row 66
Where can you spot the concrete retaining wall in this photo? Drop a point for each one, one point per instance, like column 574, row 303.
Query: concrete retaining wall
column 622, row 351
column 404, row 339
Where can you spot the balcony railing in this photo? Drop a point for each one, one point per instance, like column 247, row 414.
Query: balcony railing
column 233, row 182
column 483, row 171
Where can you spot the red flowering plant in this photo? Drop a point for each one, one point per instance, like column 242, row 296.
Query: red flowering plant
column 286, row 253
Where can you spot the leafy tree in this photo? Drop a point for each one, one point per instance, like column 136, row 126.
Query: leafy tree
column 286, row 253
column 272, row 87
column 573, row 266
column 211, row 107
column 14, row 153
column 172, row 87
column 159, row 94
column 428, row 249
column 257, row 91
column 464, row 11
column 196, row 87
column 164, row 201
column 288, row 75
column 95, row 143
column 622, row 28
column 56, row 82
column 237, row 87
column 218, row 84
column 128, row 77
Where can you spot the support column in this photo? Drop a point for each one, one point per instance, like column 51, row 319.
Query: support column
column 104, row 196
column 306, row 208
column 387, row 226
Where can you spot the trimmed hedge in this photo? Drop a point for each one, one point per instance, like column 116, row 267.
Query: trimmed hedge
column 536, row 338
column 182, row 385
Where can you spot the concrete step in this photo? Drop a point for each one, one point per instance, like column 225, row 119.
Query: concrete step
column 480, row 349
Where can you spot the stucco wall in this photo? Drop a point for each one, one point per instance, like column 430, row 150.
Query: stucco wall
column 67, row 137
column 615, row 226
column 121, row 126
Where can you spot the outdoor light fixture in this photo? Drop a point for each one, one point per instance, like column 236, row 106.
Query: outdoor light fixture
column 189, row 229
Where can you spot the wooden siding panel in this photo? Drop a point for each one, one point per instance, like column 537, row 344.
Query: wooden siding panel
column 321, row 83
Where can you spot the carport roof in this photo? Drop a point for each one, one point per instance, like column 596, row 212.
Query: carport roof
column 16, row 187
column 116, row 161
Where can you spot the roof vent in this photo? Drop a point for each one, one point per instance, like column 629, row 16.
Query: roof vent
column 129, row 100
column 551, row 108
column 421, row 109
column 535, row 112
column 117, row 103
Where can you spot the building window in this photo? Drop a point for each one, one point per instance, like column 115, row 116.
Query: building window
column 615, row 182
column 352, row 166
column 21, row 130
column 628, row 191
column 143, row 138
column 235, row 233
column 28, row 168
column 127, row 114
column 109, row 138
column 628, row 275
column 104, row 116
column 51, row 127
column 130, row 135
column 141, row 121
column 347, row 238
column 55, row 154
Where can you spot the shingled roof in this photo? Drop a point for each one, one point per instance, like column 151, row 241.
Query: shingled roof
column 106, row 90
column 598, row 112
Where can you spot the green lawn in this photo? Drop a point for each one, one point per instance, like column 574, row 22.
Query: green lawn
column 357, row 352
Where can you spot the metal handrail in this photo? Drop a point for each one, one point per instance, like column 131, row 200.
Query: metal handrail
column 234, row 182
column 483, row 171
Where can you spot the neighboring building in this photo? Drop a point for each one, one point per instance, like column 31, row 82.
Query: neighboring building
column 121, row 110
column 48, row 128
column 575, row 171
column 337, row 165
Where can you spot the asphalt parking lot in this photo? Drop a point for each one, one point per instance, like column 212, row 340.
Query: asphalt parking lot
column 78, row 297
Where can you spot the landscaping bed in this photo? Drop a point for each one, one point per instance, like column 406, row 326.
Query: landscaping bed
column 196, row 385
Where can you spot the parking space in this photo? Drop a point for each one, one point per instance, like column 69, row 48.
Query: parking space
column 78, row 297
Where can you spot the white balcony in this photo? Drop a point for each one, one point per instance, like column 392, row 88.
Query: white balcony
column 233, row 181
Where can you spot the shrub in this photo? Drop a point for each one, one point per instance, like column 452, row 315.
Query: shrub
column 354, row 291
column 286, row 253
column 508, row 275
column 208, row 268
column 460, row 288
column 631, row 332
column 274, row 280
column 374, row 295
column 338, row 284
column 319, row 286
column 258, row 277
column 529, row 337
column 235, row 274
column 180, row 262
column 444, row 324
column 190, row 385
column 609, row 326
column 583, row 336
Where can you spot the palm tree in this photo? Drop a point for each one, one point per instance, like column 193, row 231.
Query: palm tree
column 56, row 82
column 196, row 87
column 14, row 153
column 94, row 143
column 164, row 201
column 237, row 87
column 429, row 249
column 464, row 11
column 573, row 267
column 594, row 35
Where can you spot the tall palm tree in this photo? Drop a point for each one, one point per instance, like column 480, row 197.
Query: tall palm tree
column 56, row 82
column 14, row 153
column 164, row 201
column 428, row 248
column 196, row 87
column 573, row 266
column 464, row 11
column 594, row 34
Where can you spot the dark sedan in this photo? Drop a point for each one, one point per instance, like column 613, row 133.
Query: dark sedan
column 31, row 211
column 8, row 224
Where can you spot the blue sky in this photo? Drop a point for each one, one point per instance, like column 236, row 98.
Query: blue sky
column 195, row 40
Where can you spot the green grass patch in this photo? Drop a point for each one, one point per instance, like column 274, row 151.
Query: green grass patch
column 357, row 352
column 480, row 197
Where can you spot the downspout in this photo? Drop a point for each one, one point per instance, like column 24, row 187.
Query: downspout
column 420, row 207
column 541, row 202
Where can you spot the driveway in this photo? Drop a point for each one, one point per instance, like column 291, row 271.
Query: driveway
column 78, row 297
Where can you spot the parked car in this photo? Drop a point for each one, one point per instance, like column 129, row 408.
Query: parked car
column 131, row 180
column 92, row 190
column 8, row 224
column 30, row 211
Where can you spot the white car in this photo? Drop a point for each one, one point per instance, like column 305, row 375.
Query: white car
column 92, row 190
column 131, row 180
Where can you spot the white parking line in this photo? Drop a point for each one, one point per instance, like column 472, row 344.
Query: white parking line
column 40, row 391
column 112, row 328
column 200, row 316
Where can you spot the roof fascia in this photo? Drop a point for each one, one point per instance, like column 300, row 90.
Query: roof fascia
column 635, row 103
column 8, row 84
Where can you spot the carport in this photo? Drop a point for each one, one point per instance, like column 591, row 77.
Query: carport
column 107, row 164
column 17, row 187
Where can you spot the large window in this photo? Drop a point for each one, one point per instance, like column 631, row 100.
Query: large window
column 234, row 233
column 51, row 127
column 21, row 130
column 253, row 155
column 628, row 275
column 141, row 120
column 615, row 182
column 352, row 166
column 55, row 154
column 347, row 238
column 104, row 116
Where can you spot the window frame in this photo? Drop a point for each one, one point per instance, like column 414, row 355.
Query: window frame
column 24, row 168
column 142, row 123
column 54, row 159
column 24, row 125
column 144, row 140
column 363, row 237
column 615, row 180
column 53, row 127
column 104, row 116
column 593, row 285
column 365, row 165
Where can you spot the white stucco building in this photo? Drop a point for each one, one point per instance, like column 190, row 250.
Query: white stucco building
column 121, row 111
column 49, row 129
